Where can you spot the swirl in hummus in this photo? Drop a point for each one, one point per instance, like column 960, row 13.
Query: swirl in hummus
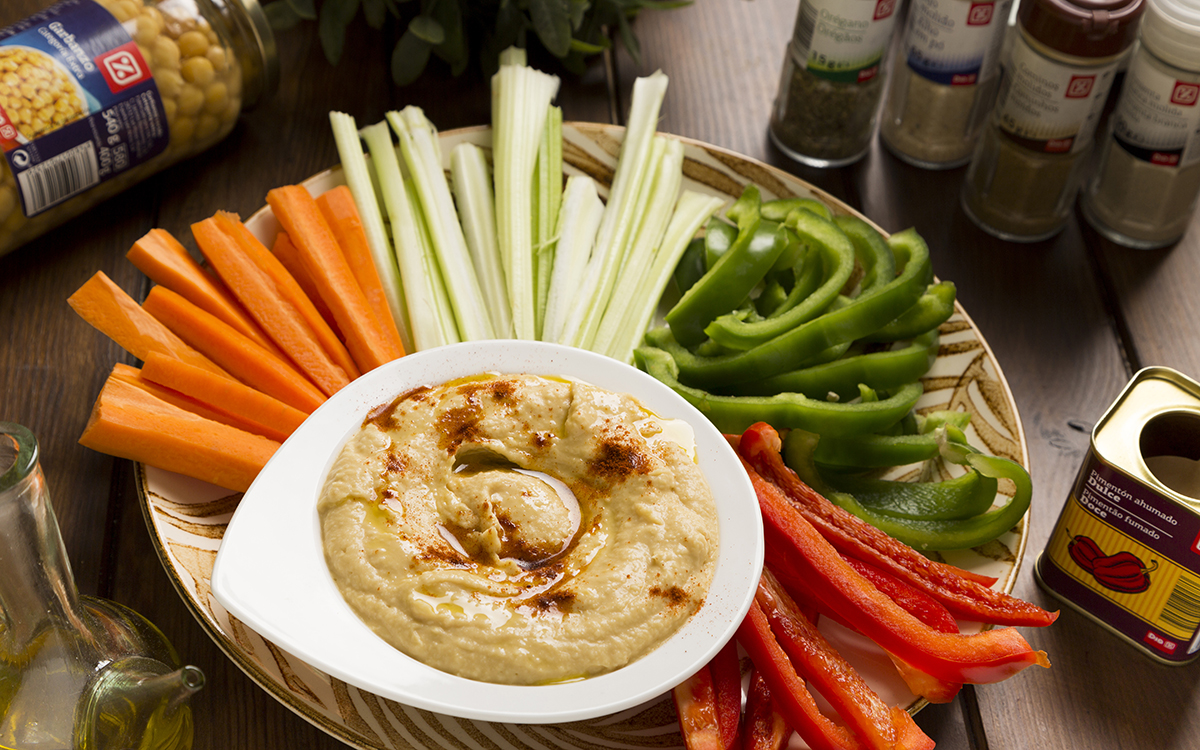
column 519, row 529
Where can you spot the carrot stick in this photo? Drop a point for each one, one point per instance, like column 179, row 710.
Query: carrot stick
column 289, row 288
column 128, row 422
column 165, row 261
column 338, row 208
column 133, row 376
column 111, row 311
column 245, row 360
column 269, row 416
column 297, row 212
column 263, row 301
column 285, row 251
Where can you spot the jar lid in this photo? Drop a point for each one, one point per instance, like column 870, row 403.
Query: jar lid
column 1171, row 30
column 1083, row 28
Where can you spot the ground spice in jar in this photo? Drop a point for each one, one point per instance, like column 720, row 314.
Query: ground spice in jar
column 1030, row 160
column 944, row 81
column 1145, row 189
column 824, row 113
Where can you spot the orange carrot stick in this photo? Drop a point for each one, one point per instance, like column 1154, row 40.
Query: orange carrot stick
column 268, row 416
column 297, row 212
column 245, row 360
column 165, row 261
column 110, row 310
column 133, row 376
column 289, row 288
column 338, row 208
column 262, row 299
column 128, row 422
column 286, row 252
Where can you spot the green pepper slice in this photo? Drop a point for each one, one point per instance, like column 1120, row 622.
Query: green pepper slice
column 728, row 283
column 837, row 254
column 934, row 307
column 877, row 451
column 874, row 255
column 733, row 414
column 779, row 208
column 882, row 369
column 691, row 265
column 719, row 236
column 856, row 319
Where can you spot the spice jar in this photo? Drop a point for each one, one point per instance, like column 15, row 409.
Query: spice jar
column 97, row 95
column 1029, row 161
column 945, row 74
column 824, row 113
column 1145, row 189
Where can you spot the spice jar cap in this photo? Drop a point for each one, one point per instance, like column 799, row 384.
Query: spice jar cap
column 1171, row 30
column 1083, row 28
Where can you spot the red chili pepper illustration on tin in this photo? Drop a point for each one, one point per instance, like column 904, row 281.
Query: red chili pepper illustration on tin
column 1123, row 572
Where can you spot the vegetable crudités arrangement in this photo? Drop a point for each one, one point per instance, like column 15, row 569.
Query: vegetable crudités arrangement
column 803, row 335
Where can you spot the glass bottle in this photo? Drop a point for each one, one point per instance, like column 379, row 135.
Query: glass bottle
column 97, row 95
column 945, row 75
column 1030, row 159
column 824, row 113
column 75, row 671
column 1144, row 192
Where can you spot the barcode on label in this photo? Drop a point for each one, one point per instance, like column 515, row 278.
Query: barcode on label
column 1182, row 609
column 59, row 178
column 806, row 24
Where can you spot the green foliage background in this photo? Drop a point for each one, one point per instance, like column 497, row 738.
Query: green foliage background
column 454, row 30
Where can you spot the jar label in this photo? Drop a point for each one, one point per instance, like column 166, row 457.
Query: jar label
column 844, row 41
column 78, row 104
column 1048, row 106
column 955, row 42
column 1129, row 557
column 1157, row 118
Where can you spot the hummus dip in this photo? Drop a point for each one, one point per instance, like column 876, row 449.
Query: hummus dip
column 519, row 529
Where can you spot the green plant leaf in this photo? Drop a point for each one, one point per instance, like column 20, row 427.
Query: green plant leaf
column 409, row 58
column 454, row 49
column 552, row 22
column 306, row 9
column 629, row 39
column 427, row 29
column 578, row 9
column 335, row 16
column 586, row 48
column 280, row 16
column 375, row 11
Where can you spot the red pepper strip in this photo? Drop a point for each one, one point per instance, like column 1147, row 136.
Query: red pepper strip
column 925, row 685
column 788, row 691
column 696, row 705
column 760, row 446
column 990, row 656
column 727, row 687
column 763, row 728
column 917, row 603
column 832, row 676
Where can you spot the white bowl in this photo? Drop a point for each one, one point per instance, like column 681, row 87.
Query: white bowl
column 271, row 572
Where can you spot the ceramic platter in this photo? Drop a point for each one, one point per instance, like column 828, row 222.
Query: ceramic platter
column 187, row 518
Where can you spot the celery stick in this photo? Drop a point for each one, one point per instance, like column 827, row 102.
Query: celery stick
column 579, row 219
column 622, row 210
column 691, row 212
column 422, row 156
column 521, row 98
column 657, row 207
column 472, row 183
column 357, row 173
column 547, row 197
column 428, row 315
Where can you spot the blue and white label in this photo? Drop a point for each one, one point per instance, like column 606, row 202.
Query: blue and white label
column 955, row 42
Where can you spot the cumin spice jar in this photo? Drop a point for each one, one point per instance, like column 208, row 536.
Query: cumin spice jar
column 1031, row 157
column 1144, row 192
column 945, row 75
column 97, row 95
column 825, row 111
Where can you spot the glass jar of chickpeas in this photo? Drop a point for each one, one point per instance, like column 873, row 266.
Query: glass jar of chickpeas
column 97, row 95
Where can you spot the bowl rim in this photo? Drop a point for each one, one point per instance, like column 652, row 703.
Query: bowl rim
column 313, row 622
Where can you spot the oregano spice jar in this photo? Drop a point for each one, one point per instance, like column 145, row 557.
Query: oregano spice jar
column 945, row 75
column 1029, row 162
column 825, row 111
column 1144, row 192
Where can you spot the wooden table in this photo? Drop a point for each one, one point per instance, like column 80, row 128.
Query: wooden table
column 1070, row 320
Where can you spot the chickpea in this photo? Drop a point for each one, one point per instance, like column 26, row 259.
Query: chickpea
column 216, row 55
column 216, row 97
column 182, row 130
column 170, row 107
column 166, row 52
column 198, row 70
column 190, row 99
column 170, row 82
column 193, row 44
column 206, row 126
column 148, row 29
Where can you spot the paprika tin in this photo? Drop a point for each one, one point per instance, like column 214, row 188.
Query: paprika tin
column 1126, row 549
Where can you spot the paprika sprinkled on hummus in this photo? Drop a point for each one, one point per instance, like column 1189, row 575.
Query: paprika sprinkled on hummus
column 519, row 529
